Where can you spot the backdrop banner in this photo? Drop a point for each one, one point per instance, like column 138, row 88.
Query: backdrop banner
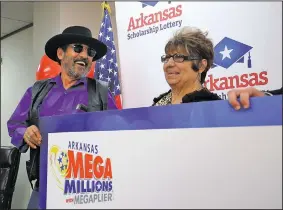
column 247, row 37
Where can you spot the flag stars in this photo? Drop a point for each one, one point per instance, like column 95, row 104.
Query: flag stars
column 107, row 67
column 110, row 70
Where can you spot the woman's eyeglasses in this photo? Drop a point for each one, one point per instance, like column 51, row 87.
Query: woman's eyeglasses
column 178, row 58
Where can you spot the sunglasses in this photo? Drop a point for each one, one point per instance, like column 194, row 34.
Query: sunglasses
column 78, row 48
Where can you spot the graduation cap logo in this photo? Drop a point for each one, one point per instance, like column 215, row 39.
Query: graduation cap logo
column 229, row 51
column 148, row 3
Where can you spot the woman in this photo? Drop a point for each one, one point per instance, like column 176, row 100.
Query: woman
column 188, row 57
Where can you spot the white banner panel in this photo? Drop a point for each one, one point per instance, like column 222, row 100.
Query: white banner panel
column 250, row 32
column 163, row 168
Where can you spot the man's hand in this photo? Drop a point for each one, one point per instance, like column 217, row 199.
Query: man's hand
column 244, row 95
column 32, row 136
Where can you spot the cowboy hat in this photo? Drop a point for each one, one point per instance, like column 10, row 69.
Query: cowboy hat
column 74, row 34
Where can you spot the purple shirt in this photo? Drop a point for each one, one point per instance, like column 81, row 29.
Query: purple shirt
column 57, row 102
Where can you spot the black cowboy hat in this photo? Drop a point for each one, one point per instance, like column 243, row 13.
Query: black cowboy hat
column 74, row 34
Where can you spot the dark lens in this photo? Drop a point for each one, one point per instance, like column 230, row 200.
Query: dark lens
column 78, row 48
column 178, row 58
column 91, row 52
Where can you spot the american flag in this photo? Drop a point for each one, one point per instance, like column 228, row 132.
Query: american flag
column 106, row 68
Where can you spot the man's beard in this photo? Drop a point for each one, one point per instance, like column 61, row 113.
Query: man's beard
column 76, row 75
column 70, row 70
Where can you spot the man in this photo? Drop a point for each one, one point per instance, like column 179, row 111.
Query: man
column 68, row 93
column 245, row 94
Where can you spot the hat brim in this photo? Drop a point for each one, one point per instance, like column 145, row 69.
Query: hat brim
column 60, row 40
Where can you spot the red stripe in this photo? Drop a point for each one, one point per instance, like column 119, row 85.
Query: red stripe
column 91, row 71
column 118, row 101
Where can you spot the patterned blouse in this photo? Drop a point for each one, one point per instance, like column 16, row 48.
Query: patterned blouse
column 165, row 100
column 200, row 95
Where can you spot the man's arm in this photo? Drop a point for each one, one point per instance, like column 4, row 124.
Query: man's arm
column 244, row 95
column 17, row 123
